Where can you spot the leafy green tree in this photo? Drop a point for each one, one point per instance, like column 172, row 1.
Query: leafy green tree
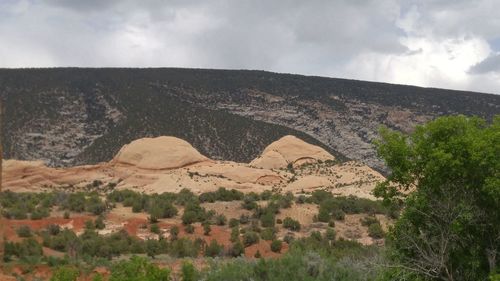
column 447, row 173
column 138, row 269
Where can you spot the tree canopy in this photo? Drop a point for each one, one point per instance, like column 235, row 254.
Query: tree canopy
column 447, row 175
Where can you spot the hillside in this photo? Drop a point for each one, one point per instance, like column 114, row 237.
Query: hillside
column 69, row 116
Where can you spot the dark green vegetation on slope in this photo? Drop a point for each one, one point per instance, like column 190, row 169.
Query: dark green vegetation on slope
column 71, row 116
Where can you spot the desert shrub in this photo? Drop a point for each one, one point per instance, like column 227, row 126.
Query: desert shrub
column 26, row 248
column 233, row 222
column 24, row 231
column 249, row 201
column 267, row 219
column 330, row 234
column 301, row 199
column 220, row 220
column 40, row 213
column 137, row 206
column 53, row 229
column 276, row 246
column 185, row 196
column 95, row 205
column 189, row 228
column 368, row 220
column 76, row 202
column 206, row 228
column 250, row 238
column 99, row 222
column 189, row 272
column 174, row 232
column 152, row 247
column 66, row 215
column 193, row 212
column 235, row 234
column 137, row 268
column 184, row 248
column 154, row 228
column 237, row 249
column 221, row 194
column 291, row 224
column 65, row 273
column 268, row 234
column 213, row 249
column 375, row 231
column 266, row 195
column 338, row 214
column 244, row 219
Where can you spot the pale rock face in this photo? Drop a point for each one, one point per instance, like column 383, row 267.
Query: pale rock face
column 159, row 153
column 290, row 149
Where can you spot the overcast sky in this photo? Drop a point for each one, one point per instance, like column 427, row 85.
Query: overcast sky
column 440, row 43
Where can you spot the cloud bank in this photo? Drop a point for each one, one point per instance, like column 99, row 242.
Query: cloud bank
column 438, row 43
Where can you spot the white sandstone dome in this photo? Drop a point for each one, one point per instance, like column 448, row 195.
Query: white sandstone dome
column 290, row 149
column 158, row 153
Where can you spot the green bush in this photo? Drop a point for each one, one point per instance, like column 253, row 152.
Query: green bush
column 268, row 234
column 330, row 234
column 276, row 246
column 40, row 213
column 138, row 269
column 99, row 222
column 291, row 224
column 24, row 231
column 189, row 272
column 235, row 234
column 220, row 220
column 221, row 194
column 375, row 231
column 65, row 273
column 267, row 219
column 237, row 249
column 250, row 238
column 189, row 228
column 154, row 228
column 213, row 249
column 206, row 228
column 234, row 222
column 174, row 232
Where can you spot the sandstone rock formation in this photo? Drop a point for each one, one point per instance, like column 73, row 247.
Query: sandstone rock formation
column 290, row 150
column 158, row 153
column 168, row 164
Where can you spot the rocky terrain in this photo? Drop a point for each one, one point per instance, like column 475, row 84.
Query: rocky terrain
column 71, row 116
column 169, row 164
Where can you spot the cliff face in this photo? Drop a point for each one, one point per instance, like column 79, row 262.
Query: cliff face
column 73, row 116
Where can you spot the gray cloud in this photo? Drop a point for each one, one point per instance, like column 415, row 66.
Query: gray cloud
column 490, row 64
column 414, row 42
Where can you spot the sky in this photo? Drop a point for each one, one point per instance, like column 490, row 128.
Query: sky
column 436, row 43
